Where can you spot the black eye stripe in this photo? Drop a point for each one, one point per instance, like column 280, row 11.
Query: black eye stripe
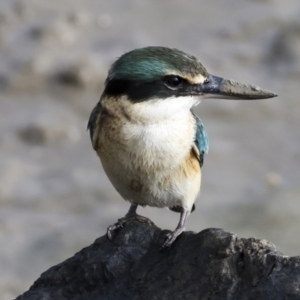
column 140, row 90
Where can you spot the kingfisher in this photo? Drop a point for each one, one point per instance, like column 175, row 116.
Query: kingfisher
column 150, row 143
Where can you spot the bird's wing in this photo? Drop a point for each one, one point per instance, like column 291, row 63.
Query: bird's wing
column 201, row 140
column 92, row 123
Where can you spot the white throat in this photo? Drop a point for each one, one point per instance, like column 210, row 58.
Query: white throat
column 157, row 110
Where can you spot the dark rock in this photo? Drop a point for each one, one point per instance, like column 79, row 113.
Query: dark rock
column 213, row 264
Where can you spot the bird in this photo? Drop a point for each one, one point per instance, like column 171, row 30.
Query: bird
column 149, row 141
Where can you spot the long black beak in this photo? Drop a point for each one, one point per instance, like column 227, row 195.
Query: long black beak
column 217, row 87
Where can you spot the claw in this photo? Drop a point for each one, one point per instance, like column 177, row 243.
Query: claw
column 171, row 237
column 111, row 228
column 132, row 215
column 120, row 224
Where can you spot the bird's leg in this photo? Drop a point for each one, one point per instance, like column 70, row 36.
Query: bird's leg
column 171, row 237
column 130, row 216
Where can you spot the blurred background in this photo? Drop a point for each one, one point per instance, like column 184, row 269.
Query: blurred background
column 54, row 55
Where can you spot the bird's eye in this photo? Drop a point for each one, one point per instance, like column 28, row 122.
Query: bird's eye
column 172, row 82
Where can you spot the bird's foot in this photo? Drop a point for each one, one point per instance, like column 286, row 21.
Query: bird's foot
column 122, row 222
column 171, row 237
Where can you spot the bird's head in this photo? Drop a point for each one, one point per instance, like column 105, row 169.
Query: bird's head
column 170, row 77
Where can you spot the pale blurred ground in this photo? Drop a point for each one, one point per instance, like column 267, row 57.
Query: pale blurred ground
column 54, row 55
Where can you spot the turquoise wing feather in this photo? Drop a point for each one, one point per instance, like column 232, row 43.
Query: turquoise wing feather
column 201, row 139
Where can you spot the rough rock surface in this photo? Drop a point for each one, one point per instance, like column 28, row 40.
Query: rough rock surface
column 213, row 264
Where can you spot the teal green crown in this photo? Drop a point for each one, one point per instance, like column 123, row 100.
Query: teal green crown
column 151, row 63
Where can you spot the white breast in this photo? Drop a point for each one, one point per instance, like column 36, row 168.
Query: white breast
column 164, row 131
column 161, row 144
